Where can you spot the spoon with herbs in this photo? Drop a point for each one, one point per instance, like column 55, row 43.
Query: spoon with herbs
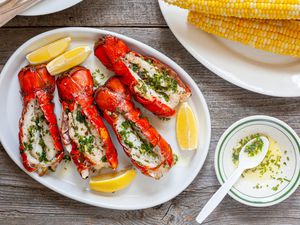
column 251, row 155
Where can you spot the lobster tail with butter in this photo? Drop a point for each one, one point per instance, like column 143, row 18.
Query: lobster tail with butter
column 153, row 84
column 83, row 132
column 40, row 144
column 147, row 149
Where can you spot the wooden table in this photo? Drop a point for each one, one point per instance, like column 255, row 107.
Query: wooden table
column 24, row 201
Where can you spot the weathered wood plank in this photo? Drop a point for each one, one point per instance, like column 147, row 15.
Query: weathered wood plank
column 139, row 13
column 24, row 201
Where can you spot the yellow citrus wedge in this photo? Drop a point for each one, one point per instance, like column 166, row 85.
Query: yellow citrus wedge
column 112, row 182
column 186, row 128
column 49, row 52
column 68, row 60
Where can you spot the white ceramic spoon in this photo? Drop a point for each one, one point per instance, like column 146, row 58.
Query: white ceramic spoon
column 245, row 162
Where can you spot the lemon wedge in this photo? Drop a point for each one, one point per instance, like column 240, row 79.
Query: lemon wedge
column 68, row 60
column 112, row 182
column 186, row 128
column 49, row 52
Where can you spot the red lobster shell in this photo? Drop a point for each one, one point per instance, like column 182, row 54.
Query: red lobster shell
column 83, row 130
column 146, row 148
column 40, row 143
column 152, row 83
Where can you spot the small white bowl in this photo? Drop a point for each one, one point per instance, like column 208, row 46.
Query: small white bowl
column 244, row 191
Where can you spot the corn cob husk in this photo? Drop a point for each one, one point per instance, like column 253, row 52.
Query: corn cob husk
column 277, row 36
column 260, row 9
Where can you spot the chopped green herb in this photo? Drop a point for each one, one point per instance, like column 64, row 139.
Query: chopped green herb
column 86, row 143
column 42, row 144
column 98, row 76
column 275, row 188
column 161, row 82
column 150, row 61
column 28, row 146
column 146, row 147
column 128, row 143
column 142, row 87
column 280, row 179
column 127, row 124
column 175, row 159
column 43, row 157
column 270, row 164
column 80, row 117
column 166, row 165
column 164, row 118
column 165, row 96
column 257, row 186
column 67, row 110
column 254, row 148
column 104, row 159
column 67, row 158
column 143, row 74
column 31, row 130
column 135, row 67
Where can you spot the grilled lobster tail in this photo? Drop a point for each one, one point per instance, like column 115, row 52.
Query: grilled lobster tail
column 40, row 143
column 83, row 132
column 146, row 148
column 155, row 85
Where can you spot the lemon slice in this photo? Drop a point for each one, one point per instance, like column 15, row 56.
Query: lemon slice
column 112, row 182
column 68, row 60
column 186, row 128
column 49, row 52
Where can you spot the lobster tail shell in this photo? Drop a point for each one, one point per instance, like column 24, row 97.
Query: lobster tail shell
column 75, row 89
column 37, row 88
column 115, row 103
column 118, row 57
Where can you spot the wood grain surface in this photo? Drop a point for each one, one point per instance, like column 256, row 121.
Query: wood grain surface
column 24, row 201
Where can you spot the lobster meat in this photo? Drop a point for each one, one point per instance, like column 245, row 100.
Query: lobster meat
column 147, row 149
column 84, row 134
column 40, row 144
column 152, row 83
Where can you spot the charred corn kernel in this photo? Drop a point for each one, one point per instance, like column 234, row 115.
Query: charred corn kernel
column 277, row 36
column 260, row 9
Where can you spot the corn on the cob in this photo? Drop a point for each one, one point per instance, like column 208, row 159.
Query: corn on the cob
column 260, row 9
column 278, row 36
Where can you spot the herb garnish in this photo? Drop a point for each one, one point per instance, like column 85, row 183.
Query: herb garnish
column 28, row 146
column 67, row 158
column 98, row 76
column 161, row 82
column 175, row 159
column 103, row 158
column 135, row 67
column 144, row 148
column 255, row 147
column 80, row 117
column 43, row 157
column 86, row 143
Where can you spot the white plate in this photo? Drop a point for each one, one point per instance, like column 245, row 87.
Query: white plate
column 246, row 67
column 49, row 6
column 144, row 192
column 246, row 190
